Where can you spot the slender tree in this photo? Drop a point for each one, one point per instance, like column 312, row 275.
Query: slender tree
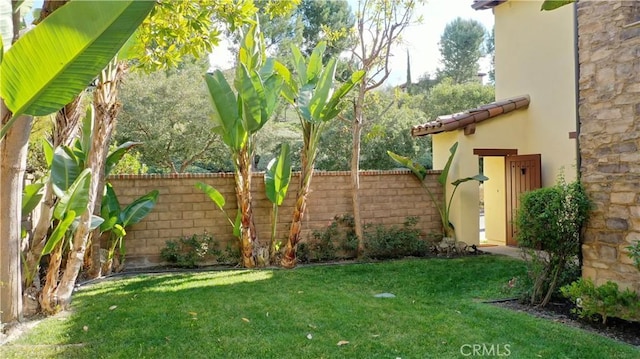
column 379, row 26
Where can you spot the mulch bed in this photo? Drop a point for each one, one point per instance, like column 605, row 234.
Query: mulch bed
column 561, row 312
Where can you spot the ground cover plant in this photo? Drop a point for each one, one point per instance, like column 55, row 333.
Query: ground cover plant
column 311, row 312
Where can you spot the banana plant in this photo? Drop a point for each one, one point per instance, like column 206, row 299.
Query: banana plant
column 276, row 181
column 37, row 82
column 313, row 94
column 444, row 206
column 240, row 115
column 116, row 219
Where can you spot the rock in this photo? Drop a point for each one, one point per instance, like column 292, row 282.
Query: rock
column 385, row 295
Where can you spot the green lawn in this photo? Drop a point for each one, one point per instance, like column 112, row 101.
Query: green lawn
column 271, row 313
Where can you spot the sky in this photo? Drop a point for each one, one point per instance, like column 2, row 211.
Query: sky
column 421, row 39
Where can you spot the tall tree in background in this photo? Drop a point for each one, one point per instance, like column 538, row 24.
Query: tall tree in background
column 328, row 20
column 169, row 112
column 490, row 50
column 461, row 49
column 379, row 25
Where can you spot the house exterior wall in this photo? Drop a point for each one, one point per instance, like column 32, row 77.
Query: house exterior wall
column 387, row 197
column 534, row 55
column 610, row 137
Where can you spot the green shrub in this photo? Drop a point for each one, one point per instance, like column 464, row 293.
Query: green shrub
column 337, row 241
column 634, row 253
column 606, row 300
column 551, row 219
column 189, row 251
column 395, row 242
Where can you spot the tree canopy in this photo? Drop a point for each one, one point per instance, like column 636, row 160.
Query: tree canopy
column 461, row 48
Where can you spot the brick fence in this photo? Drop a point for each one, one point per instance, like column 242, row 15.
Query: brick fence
column 387, row 197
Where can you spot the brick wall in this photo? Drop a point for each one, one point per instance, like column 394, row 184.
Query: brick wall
column 609, row 111
column 387, row 197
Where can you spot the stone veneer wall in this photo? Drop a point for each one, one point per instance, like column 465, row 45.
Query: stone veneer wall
column 387, row 197
column 609, row 111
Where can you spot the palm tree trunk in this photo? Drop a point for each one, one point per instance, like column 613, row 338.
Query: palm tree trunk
column 64, row 131
column 243, row 191
column 48, row 300
column 307, row 159
column 106, row 111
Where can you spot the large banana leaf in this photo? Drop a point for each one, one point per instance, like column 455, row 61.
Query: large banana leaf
column 418, row 170
column 335, row 104
column 323, row 90
column 251, row 89
column 225, row 110
column 64, row 170
column 138, row 209
column 76, row 198
column 442, row 179
column 50, row 64
column 47, row 148
column 114, row 157
column 59, row 232
column 212, row 193
column 278, row 176
column 31, row 196
column 109, row 209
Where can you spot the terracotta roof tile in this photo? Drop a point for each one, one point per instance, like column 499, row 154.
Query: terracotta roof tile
column 463, row 119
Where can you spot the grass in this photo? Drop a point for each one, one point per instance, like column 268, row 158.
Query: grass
column 270, row 313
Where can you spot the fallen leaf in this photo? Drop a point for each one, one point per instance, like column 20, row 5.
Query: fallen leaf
column 343, row 342
column 309, row 336
column 375, row 335
column 267, row 314
column 300, row 292
column 457, row 311
column 313, row 326
column 85, row 328
column 113, row 307
column 246, row 320
column 193, row 313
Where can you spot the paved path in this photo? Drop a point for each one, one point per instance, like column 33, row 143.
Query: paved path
column 514, row 252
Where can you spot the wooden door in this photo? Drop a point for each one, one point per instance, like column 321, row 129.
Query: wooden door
column 522, row 174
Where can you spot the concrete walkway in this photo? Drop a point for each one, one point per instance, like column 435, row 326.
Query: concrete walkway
column 513, row 252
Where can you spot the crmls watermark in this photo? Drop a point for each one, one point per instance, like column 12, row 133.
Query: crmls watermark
column 485, row 350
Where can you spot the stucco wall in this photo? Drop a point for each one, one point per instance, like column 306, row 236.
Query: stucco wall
column 387, row 197
column 535, row 56
column 610, row 137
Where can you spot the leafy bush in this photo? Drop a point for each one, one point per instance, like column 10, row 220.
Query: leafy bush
column 188, row 252
column 395, row 242
column 551, row 219
column 606, row 300
column 634, row 253
column 337, row 241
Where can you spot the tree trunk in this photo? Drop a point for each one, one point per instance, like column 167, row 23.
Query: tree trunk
column 358, row 120
column 243, row 195
column 64, row 131
column 105, row 99
column 48, row 300
column 13, row 160
column 289, row 257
